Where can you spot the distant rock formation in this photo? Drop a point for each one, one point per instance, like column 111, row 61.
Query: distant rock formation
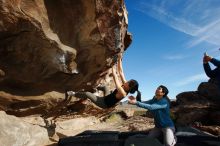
column 49, row 46
column 200, row 106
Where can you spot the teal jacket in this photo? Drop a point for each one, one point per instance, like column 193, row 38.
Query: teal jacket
column 160, row 110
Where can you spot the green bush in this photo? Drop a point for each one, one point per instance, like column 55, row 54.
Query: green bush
column 114, row 118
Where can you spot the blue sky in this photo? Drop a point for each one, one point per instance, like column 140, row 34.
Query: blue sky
column 169, row 39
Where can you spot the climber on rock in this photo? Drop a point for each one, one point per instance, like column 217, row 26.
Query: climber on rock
column 159, row 106
column 111, row 99
column 215, row 73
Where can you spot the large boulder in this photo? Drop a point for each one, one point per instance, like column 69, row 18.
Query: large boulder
column 209, row 89
column 199, row 106
column 50, row 46
column 186, row 98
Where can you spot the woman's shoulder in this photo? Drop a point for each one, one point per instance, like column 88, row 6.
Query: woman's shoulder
column 164, row 100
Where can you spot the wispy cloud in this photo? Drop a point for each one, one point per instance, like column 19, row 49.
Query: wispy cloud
column 175, row 57
column 191, row 79
column 215, row 50
column 198, row 19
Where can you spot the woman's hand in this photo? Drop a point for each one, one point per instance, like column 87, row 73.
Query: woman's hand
column 206, row 59
column 132, row 100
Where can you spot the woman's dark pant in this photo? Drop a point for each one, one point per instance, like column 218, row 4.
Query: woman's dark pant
column 99, row 101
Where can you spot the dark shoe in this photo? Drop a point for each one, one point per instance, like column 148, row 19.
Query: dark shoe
column 66, row 95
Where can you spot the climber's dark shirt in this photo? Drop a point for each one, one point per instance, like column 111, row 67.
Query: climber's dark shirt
column 111, row 100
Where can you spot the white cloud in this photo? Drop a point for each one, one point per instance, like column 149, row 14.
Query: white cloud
column 175, row 57
column 215, row 50
column 209, row 33
column 198, row 19
column 192, row 79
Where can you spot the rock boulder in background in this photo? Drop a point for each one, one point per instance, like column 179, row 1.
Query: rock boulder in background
column 15, row 131
column 199, row 106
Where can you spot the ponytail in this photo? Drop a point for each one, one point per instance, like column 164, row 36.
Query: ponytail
column 133, row 85
column 138, row 97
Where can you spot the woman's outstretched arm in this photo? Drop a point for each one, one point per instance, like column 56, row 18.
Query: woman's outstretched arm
column 120, row 68
column 117, row 83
